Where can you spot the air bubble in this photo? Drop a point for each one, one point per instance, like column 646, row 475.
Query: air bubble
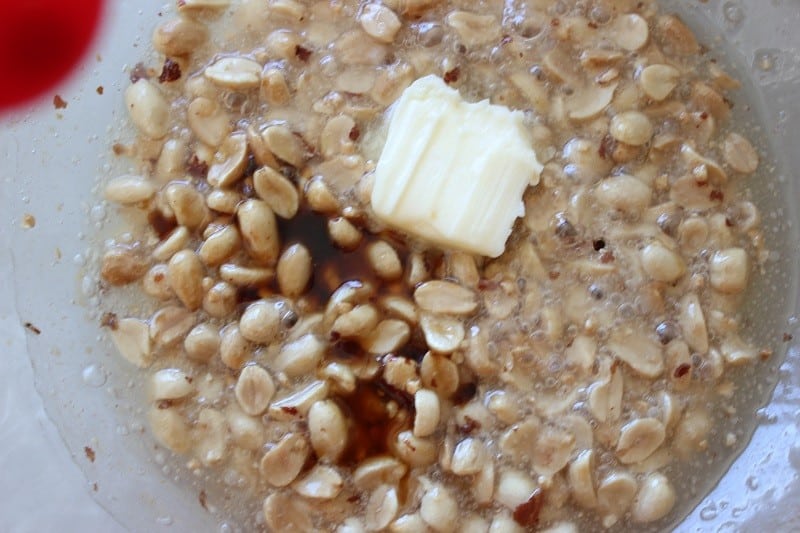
column 164, row 520
column 94, row 376
column 752, row 483
column 733, row 13
column 709, row 512
column 766, row 60
column 98, row 213
column 123, row 431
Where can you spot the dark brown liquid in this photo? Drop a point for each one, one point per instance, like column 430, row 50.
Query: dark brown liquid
column 373, row 429
column 162, row 225
column 332, row 265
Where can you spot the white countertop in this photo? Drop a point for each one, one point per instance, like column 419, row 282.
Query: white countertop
column 42, row 488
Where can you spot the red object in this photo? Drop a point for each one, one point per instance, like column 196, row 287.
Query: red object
column 41, row 42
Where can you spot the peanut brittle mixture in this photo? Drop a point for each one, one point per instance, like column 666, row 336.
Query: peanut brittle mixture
column 351, row 378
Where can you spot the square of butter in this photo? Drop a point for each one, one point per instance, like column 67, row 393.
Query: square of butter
column 452, row 172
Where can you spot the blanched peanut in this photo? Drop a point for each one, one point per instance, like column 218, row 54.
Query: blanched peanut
column 414, row 451
column 170, row 384
column 275, row 189
column 377, row 471
column 661, row 263
column 426, row 407
column 234, row 349
column 514, row 488
column 483, row 484
column 380, row 22
column 355, row 47
column 208, row 121
column 179, row 37
column 283, row 44
column 229, row 162
column 188, row 205
column 170, row 429
column 438, row 508
column 220, row 300
column 285, row 145
column 728, row 270
column 639, row 439
column 581, row 479
column 676, row 36
column 400, row 372
column 239, row 73
column 261, row 322
column 320, row 197
column 284, row 511
column 625, row 193
column 655, row 499
column 245, row 276
column 148, row 109
column 274, row 88
column 630, row 31
column 210, row 436
column 445, row 297
column 202, row 342
column 692, row 322
column 294, row 270
column 169, row 325
column 341, row 377
column 350, row 525
column 344, row 234
column 400, row 307
column 223, row 201
column 322, row 482
column 175, row 241
column 381, row 508
column 740, row 154
column 129, row 190
column 335, row 137
column 658, row 81
column 300, row 357
column 384, row 260
column 185, row 273
column 259, row 231
column 220, row 246
column 156, row 284
column 246, row 431
column 254, row 390
column 122, row 265
column 439, row 374
column 615, row 493
column 388, row 336
column 283, row 461
column 473, row 29
column 469, row 457
column 503, row 523
column 443, row 334
column 408, row 523
column 357, row 322
column 328, row 429
column 693, row 233
column 631, row 127
column 691, row 433
column 131, row 337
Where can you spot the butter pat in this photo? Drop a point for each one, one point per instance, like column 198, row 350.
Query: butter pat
column 452, row 172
